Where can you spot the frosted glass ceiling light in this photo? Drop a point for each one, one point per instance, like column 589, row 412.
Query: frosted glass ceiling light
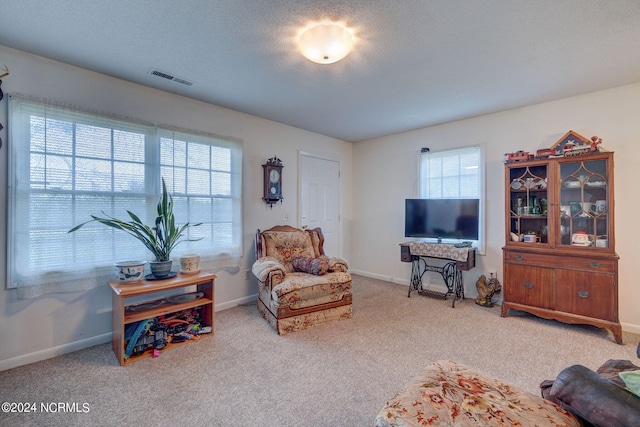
column 326, row 42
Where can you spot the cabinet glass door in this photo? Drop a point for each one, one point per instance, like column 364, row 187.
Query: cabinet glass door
column 584, row 204
column 528, row 204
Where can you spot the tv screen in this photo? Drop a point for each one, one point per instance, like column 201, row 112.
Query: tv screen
column 442, row 218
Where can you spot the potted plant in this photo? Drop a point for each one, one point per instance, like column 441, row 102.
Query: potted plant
column 160, row 239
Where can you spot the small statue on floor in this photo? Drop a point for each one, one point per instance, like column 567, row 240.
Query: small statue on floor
column 487, row 290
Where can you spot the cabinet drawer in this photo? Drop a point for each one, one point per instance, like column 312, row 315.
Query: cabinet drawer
column 529, row 259
column 591, row 265
column 528, row 285
column 569, row 262
column 405, row 253
column 586, row 294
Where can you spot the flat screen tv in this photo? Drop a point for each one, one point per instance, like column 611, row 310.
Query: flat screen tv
column 442, row 218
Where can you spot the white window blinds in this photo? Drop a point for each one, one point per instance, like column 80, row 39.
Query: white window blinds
column 451, row 174
column 455, row 174
column 206, row 184
column 67, row 164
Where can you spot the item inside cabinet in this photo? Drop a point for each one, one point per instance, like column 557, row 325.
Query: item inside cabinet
column 145, row 305
column 157, row 332
column 193, row 296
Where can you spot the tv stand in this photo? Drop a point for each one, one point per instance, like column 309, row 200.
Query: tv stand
column 459, row 259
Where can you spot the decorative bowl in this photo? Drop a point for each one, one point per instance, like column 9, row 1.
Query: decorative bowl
column 130, row 271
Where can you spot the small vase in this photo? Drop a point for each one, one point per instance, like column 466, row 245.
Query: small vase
column 160, row 269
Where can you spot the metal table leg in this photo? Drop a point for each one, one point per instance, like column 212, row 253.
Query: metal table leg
column 450, row 274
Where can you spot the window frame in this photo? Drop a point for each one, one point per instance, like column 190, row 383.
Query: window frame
column 30, row 281
column 423, row 187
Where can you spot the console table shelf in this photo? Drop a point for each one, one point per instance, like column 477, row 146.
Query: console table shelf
column 123, row 313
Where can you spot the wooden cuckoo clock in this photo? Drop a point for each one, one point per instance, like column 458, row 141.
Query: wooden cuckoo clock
column 272, row 176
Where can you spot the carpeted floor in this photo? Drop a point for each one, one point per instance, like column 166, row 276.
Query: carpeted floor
column 339, row 374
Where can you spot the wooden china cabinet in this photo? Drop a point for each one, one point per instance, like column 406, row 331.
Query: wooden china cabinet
column 559, row 258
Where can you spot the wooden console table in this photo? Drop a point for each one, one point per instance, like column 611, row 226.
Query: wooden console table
column 459, row 259
column 204, row 282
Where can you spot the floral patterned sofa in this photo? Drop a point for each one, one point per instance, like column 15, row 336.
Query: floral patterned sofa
column 447, row 393
column 298, row 285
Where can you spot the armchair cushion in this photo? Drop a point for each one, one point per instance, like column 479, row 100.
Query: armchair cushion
column 337, row 264
column 285, row 246
column 302, row 286
column 266, row 265
column 316, row 266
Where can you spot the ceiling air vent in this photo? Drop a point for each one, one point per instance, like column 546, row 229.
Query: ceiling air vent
column 168, row 76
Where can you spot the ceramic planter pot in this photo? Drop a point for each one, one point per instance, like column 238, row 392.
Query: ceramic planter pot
column 189, row 264
column 130, row 271
column 160, row 269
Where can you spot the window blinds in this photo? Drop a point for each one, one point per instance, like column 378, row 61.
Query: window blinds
column 67, row 164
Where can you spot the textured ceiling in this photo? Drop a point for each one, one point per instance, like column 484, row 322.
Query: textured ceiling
column 416, row 63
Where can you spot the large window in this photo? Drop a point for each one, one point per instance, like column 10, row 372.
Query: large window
column 455, row 174
column 66, row 165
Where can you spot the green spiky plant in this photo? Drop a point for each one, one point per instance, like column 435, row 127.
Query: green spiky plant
column 160, row 239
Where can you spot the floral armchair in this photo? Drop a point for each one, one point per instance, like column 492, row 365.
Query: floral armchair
column 298, row 285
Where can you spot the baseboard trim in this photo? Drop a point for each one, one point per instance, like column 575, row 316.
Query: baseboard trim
column 49, row 353
column 104, row 338
column 626, row 327
column 438, row 287
column 235, row 302
column 380, row 277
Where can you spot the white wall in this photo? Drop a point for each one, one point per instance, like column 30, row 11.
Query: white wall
column 39, row 328
column 385, row 173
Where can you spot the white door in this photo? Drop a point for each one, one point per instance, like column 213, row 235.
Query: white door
column 320, row 199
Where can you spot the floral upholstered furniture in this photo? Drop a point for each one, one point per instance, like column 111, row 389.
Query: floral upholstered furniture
column 447, row 393
column 298, row 285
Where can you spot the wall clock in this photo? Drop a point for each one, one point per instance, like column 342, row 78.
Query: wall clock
column 272, row 177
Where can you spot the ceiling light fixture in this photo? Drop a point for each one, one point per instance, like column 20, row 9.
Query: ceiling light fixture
column 325, row 42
